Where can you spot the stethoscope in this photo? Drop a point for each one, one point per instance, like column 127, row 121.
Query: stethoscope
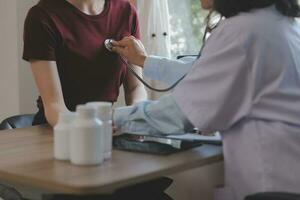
column 108, row 43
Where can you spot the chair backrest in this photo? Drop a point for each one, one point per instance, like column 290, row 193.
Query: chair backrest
column 9, row 193
column 273, row 196
column 18, row 121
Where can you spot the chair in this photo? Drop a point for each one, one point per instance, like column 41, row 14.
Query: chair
column 274, row 196
column 18, row 121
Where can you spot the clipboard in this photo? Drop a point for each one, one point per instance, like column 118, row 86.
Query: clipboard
column 163, row 144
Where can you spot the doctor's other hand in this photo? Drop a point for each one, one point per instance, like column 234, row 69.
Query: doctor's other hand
column 131, row 49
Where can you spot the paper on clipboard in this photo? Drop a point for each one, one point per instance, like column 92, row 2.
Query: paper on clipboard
column 214, row 139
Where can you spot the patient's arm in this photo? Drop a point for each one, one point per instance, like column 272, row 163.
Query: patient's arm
column 134, row 90
column 47, row 80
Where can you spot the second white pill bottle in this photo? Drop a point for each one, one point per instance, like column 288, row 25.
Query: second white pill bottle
column 86, row 138
column 62, row 135
column 104, row 113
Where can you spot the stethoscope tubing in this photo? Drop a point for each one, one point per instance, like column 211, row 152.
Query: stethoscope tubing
column 172, row 86
column 129, row 66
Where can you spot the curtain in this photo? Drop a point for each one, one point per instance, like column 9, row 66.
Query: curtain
column 155, row 26
column 170, row 28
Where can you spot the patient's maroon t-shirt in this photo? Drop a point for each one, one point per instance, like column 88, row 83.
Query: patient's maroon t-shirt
column 55, row 30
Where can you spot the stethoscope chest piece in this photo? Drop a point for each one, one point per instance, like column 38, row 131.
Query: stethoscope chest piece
column 108, row 44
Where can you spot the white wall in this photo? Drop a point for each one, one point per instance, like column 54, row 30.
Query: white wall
column 17, row 89
column 27, row 89
column 9, row 78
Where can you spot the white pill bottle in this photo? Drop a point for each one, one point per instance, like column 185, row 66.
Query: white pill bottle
column 62, row 135
column 104, row 113
column 86, row 138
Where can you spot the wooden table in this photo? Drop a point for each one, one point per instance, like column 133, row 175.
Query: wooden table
column 26, row 158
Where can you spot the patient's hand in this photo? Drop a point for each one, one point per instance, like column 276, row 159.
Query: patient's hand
column 131, row 49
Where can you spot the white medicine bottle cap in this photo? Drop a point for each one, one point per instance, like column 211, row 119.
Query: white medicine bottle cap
column 104, row 109
column 86, row 111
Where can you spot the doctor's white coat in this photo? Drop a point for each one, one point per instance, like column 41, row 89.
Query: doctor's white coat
column 245, row 85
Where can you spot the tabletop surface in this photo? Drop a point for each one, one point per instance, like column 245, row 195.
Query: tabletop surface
column 26, row 158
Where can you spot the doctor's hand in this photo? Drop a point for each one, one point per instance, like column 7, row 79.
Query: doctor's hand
column 131, row 49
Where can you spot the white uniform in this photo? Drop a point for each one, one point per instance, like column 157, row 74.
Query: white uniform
column 247, row 86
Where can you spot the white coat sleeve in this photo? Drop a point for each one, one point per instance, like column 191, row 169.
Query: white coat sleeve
column 217, row 92
column 167, row 70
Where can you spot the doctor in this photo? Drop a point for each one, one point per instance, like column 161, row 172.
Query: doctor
column 246, row 85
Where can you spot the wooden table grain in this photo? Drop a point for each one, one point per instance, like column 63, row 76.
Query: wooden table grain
column 26, row 158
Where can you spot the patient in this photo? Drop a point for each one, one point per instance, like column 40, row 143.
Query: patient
column 63, row 41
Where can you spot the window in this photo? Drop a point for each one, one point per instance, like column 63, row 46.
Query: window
column 187, row 26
